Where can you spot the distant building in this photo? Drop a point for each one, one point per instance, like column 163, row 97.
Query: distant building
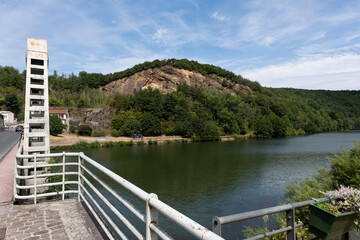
column 8, row 117
column 63, row 114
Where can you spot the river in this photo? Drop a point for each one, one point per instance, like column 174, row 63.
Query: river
column 203, row 180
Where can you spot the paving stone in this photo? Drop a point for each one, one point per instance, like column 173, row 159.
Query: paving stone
column 33, row 238
column 69, row 220
column 45, row 236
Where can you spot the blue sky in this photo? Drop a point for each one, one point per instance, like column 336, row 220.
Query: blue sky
column 279, row 43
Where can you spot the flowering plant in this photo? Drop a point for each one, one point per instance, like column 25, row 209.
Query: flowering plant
column 345, row 199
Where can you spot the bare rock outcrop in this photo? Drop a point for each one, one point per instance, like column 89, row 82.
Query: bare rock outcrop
column 95, row 117
column 167, row 78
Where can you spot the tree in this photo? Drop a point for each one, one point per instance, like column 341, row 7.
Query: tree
column 131, row 126
column 12, row 102
column 278, row 126
column 264, row 128
column 210, row 132
column 83, row 101
column 56, row 126
column 149, row 100
column 10, row 77
column 150, row 125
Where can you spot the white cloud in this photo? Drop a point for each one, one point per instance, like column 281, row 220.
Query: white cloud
column 217, row 16
column 340, row 71
column 167, row 37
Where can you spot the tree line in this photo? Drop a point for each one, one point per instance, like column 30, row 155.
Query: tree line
column 207, row 114
column 195, row 112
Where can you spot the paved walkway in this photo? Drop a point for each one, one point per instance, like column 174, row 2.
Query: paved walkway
column 7, row 141
column 7, row 166
column 48, row 220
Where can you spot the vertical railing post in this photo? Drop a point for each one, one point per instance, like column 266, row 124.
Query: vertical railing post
column 290, row 222
column 35, row 175
column 63, row 176
column 152, row 215
column 216, row 226
column 79, row 176
column 15, row 179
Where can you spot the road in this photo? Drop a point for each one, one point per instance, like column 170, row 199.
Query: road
column 7, row 141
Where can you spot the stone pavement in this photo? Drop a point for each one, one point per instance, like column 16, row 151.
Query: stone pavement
column 47, row 220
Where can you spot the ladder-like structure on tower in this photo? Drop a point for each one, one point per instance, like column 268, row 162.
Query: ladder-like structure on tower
column 36, row 125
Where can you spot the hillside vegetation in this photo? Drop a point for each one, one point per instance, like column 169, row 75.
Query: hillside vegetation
column 199, row 112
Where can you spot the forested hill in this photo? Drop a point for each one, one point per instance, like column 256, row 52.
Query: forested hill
column 211, row 102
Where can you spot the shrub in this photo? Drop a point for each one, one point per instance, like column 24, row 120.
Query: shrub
column 100, row 132
column 56, row 126
column 344, row 171
column 140, row 143
column 84, row 130
column 72, row 129
column 152, row 142
column 115, row 133
column 210, row 132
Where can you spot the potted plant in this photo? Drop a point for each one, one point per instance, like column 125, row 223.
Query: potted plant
column 336, row 216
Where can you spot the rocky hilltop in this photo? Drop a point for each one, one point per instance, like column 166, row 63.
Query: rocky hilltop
column 167, row 78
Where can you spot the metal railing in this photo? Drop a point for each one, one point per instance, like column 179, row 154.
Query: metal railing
column 289, row 210
column 28, row 186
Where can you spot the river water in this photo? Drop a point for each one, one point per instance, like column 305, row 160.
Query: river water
column 202, row 180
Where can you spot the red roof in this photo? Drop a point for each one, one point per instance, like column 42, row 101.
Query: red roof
column 55, row 111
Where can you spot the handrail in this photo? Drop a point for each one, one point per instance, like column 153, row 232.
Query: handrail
column 86, row 192
column 290, row 219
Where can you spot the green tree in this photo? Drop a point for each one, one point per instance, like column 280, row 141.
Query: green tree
column 150, row 125
column 12, row 102
column 83, row 101
column 149, row 100
column 278, row 126
column 264, row 128
column 10, row 77
column 56, row 126
column 210, row 132
column 131, row 126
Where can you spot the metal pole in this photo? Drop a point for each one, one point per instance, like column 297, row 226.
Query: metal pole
column 15, row 179
column 216, row 226
column 63, row 176
column 35, row 175
column 79, row 177
column 290, row 222
column 152, row 215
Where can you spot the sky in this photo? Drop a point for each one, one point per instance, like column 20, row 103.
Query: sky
column 278, row 43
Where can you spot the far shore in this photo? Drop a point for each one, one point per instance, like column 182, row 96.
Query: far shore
column 66, row 139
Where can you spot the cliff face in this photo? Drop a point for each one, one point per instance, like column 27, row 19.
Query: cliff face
column 167, row 78
column 95, row 117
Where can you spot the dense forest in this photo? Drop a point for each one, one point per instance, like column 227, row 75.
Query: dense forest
column 199, row 113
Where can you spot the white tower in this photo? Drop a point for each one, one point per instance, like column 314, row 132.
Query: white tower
column 36, row 126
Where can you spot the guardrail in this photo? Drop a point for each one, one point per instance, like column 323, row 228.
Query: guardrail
column 28, row 187
column 289, row 209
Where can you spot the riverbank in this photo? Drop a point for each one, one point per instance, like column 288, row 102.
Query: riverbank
column 67, row 140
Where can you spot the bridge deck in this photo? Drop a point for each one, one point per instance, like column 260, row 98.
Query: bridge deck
column 47, row 220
